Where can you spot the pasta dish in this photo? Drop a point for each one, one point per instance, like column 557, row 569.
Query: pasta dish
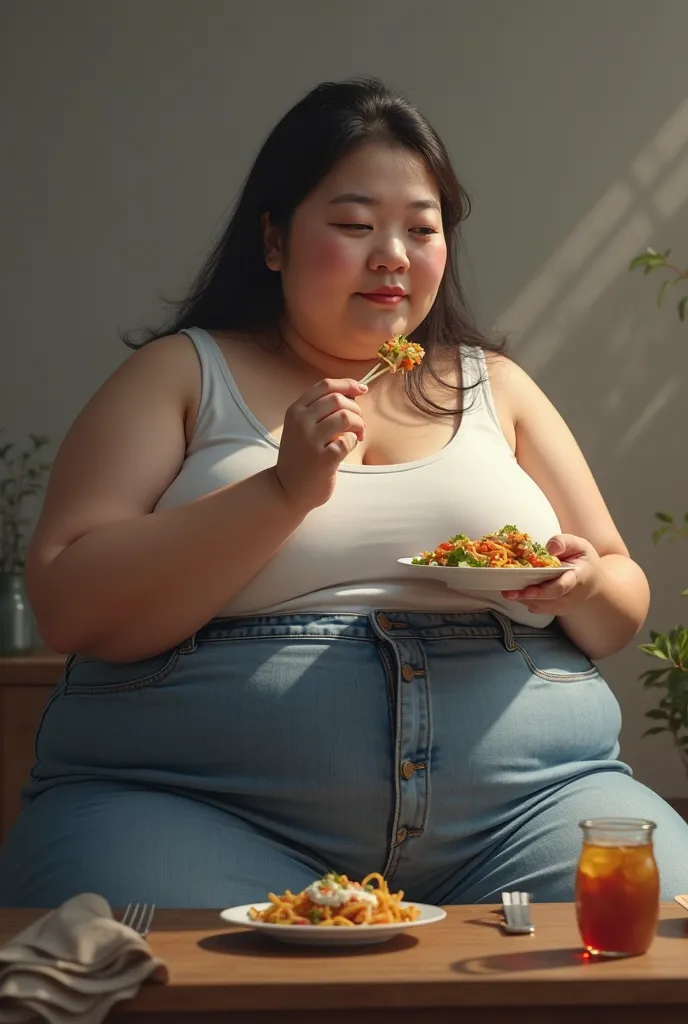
column 508, row 548
column 334, row 900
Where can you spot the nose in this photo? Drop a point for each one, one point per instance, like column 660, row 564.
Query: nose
column 390, row 255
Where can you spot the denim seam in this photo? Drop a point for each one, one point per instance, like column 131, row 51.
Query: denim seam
column 323, row 635
column 556, row 677
column 428, row 711
column 83, row 689
column 394, row 847
column 388, row 668
column 55, row 695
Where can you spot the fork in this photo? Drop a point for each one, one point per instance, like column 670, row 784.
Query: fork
column 516, row 906
column 139, row 917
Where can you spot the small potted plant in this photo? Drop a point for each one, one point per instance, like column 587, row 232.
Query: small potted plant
column 22, row 477
column 670, row 648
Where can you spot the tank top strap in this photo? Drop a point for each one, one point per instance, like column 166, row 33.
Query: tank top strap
column 479, row 399
column 219, row 402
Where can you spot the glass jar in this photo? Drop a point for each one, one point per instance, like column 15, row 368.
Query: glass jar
column 617, row 886
column 18, row 633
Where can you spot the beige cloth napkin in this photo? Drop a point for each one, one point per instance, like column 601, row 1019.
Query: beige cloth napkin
column 72, row 965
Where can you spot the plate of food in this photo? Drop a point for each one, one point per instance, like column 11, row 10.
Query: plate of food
column 333, row 911
column 507, row 559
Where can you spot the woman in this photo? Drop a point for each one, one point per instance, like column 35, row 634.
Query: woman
column 260, row 692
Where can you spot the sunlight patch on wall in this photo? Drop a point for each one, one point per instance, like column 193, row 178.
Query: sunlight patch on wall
column 673, row 193
column 567, row 260
column 588, row 263
column 668, row 141
column 537, row 351
column 663, row 397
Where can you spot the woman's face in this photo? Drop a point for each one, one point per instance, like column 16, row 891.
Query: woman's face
column 365, row 253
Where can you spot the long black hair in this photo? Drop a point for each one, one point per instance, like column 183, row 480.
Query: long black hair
column 236, row 291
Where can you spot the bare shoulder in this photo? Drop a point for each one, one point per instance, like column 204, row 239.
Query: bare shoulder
column 509, row 385
column 507, row 376
column 167, row 367
column 124, row 448
column 172, row 359
column 516, row 395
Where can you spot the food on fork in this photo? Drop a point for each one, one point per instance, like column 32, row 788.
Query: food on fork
column 334, row 900
column 397, row 356
column 507, row 548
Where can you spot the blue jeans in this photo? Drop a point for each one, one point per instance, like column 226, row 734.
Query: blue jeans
column 454, row 753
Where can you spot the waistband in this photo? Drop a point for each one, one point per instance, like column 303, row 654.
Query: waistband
column 374, row 626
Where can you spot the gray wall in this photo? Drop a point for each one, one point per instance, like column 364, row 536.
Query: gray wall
column 127, row 128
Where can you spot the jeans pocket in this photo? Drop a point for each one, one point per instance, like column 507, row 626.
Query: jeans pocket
column 90, row 677
column 556, row 660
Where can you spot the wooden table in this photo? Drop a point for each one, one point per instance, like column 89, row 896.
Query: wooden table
column 462, row 969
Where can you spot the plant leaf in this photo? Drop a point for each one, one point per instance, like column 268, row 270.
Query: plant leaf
column 664, row 517
column 654, row 731
column 666, row 286
column 683, row 308
column 652, row 650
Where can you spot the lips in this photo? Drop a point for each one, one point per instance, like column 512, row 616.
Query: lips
column 393, row 290
column 385, row 296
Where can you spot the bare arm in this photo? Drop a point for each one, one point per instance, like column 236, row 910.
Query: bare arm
column 109, row 577
column 548, row 452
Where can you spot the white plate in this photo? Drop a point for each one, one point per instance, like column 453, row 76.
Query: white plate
column 331, row 935
column 470, row 577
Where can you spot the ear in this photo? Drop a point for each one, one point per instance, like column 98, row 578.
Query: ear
column 272, row 243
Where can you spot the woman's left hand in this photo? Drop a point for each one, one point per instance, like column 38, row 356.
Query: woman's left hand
column 569, row 591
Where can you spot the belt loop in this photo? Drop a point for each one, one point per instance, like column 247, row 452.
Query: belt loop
column 188, row 646
column 506, row 630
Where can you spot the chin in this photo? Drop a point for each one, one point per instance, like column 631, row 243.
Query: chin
column 374, row 334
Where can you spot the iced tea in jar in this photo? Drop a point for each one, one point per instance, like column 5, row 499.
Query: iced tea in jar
column 617, row 886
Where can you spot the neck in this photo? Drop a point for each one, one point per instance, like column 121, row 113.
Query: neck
column 316, row 359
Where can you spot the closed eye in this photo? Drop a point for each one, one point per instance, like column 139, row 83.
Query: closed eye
column 355, row 227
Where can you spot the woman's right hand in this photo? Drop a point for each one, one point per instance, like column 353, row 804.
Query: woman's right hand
column 320, row 429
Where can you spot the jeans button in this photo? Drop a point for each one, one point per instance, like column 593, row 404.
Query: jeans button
column 383, row 622
column 408, row 672
column 407, row 770
column 402, row 834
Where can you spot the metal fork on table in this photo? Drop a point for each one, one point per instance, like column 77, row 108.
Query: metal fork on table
column 516, row 907
column 139, row 917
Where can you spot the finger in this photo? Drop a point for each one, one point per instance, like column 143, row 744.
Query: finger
column 342, row 445
column 324, row 407
column 557, row 545
column 331, row 385
column 567, row 546
column 552, row 590
column 341, row 422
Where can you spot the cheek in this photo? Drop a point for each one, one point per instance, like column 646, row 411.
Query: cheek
column 433, row 263
column 427, row 268
column 329, row 257
column 332, row 258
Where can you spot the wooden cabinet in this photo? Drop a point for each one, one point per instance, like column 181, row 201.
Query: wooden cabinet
column 25, row 686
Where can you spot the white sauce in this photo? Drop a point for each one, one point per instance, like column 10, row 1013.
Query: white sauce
column 328, row 893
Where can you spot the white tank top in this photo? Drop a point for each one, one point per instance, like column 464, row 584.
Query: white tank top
column 343, row 557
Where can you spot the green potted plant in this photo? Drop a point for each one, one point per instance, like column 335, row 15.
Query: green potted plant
column 671, row 648
column 22, row 476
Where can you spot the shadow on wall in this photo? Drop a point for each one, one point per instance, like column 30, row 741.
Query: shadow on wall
column 633, row 380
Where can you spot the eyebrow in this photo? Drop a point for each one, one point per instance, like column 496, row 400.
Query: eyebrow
column 356, row 197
